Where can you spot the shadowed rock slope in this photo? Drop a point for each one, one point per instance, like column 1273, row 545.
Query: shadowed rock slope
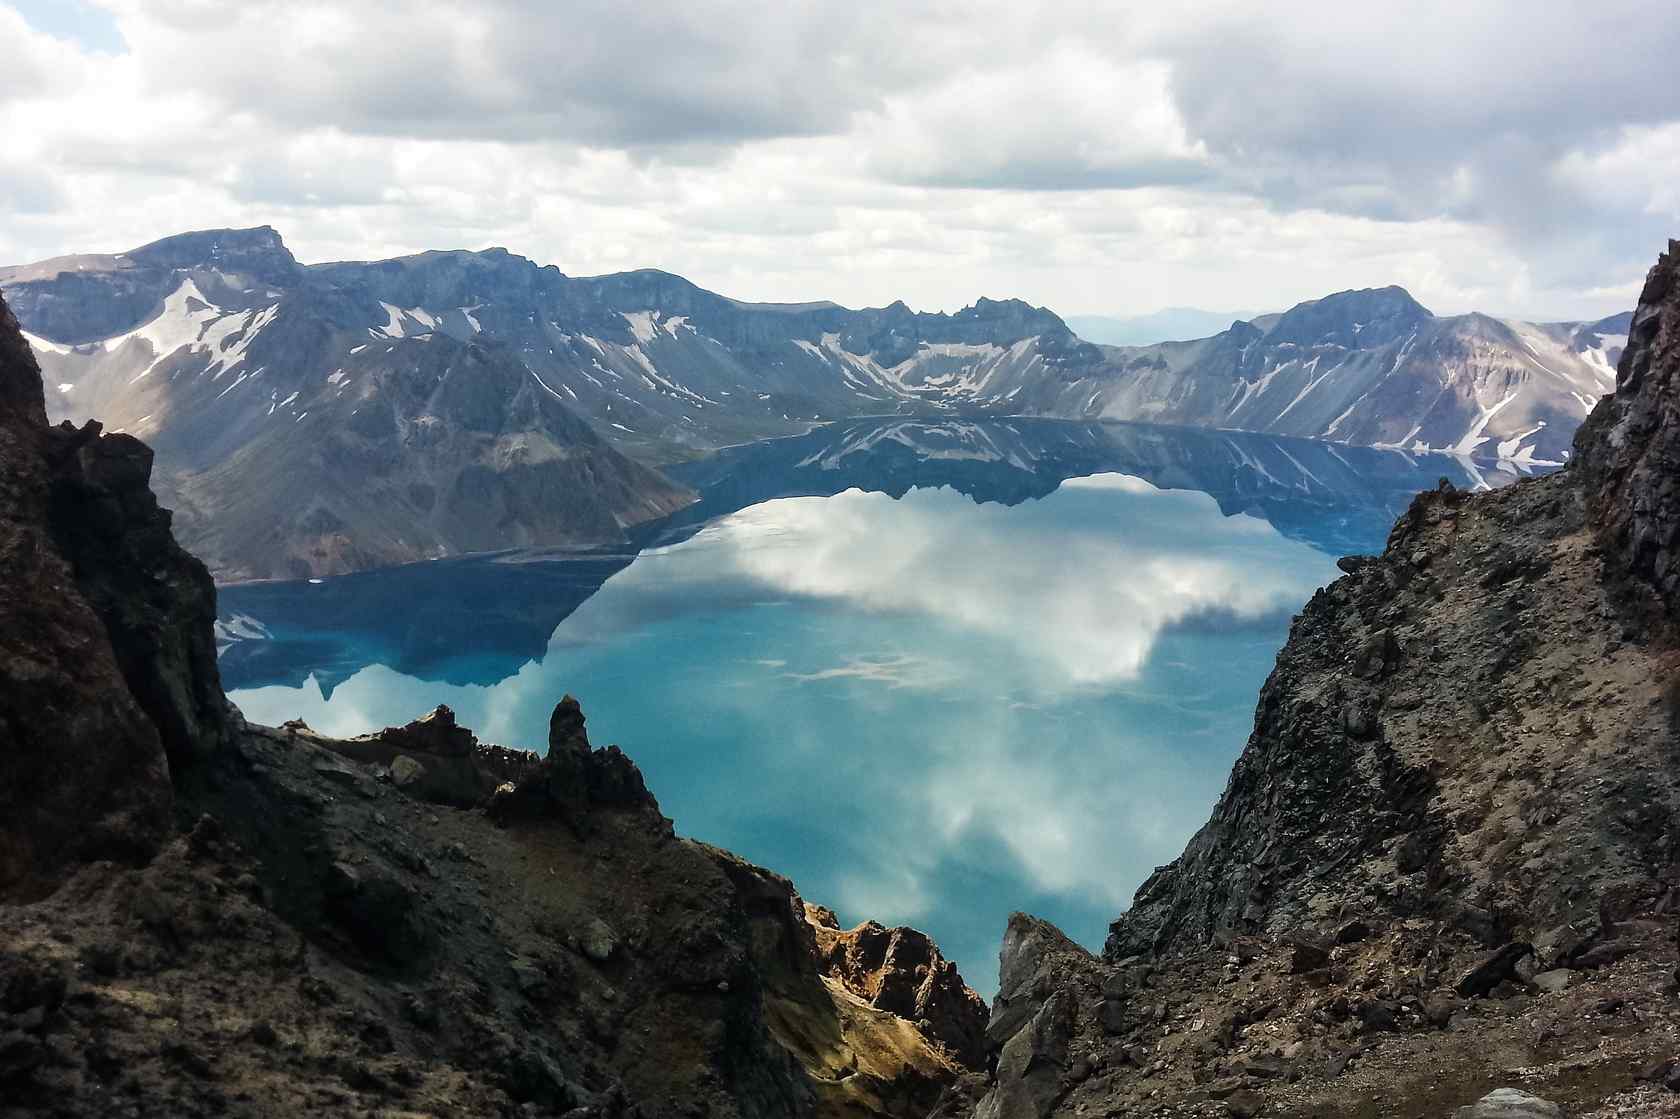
column 1455, row 813
column 107, row 664
column 204, row 917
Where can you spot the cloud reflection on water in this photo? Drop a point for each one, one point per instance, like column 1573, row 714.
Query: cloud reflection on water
column 922, row 710
column 1083, row 602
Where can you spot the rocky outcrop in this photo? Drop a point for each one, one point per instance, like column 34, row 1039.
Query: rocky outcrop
column 435, row 758
column 1460, row 729
column 902, row 971
column 1470, row 726
column 154, row 599
column 323, row 935
column 1046, row 983
column 574, row 777
column 107, row 667
column 1628, row 452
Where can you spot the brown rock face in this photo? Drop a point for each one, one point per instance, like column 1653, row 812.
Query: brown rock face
column 1628, row 451
column 107, row 664
column 903, row 972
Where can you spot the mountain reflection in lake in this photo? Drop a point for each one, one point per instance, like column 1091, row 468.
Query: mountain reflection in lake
column 852, row 662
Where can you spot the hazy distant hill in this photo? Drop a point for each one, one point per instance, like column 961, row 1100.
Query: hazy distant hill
column 1166, row 325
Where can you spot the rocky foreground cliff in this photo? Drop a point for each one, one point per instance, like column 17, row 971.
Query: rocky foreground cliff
column 203, row 917
column 1446, row 861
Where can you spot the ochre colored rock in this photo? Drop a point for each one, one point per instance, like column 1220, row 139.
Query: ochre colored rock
column 902, row 971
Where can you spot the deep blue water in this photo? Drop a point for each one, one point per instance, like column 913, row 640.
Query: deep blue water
column 933, row 673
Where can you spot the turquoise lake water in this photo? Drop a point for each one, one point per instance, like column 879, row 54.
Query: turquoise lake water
column 933, row 673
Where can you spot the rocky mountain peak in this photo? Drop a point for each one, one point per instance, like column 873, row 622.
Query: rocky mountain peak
column 258, row 253
column 1355, row 319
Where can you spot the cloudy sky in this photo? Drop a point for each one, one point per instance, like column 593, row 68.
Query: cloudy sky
column 1514, row 156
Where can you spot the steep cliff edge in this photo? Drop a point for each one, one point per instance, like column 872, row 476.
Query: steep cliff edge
column 1455, row 812
column 204, row 917
column 107, row 662
column 1628, row 451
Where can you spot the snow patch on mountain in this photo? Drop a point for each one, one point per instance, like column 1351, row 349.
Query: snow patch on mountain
column 190, row 321
column 641, row 325
column 41, row 345
column 397, row 318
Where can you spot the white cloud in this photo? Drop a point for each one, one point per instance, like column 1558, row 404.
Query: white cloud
column 1515, row 158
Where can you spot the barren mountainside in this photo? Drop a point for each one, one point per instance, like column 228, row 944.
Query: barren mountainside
column 263, row 383
column 291, row 445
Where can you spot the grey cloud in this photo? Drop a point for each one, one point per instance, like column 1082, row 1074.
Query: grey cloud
column 1480, row 151
column 1434, row 109
column 591, row 71
column 29, row 191
column 1066, row 174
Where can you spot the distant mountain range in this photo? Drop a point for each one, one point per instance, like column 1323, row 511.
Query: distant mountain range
column 290, row 442
column 311, row 419
column 1158, row 326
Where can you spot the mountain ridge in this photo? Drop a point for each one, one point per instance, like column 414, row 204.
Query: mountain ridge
column 291, row 449
column 785, row 365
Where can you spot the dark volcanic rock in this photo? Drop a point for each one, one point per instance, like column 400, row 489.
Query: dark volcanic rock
column 1480, row 980
column 157, row 602
column 574, row 778
column 435, row 758
column 107, row 667
column 435, row 733
column 1628, row 451
column 1467, row 740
